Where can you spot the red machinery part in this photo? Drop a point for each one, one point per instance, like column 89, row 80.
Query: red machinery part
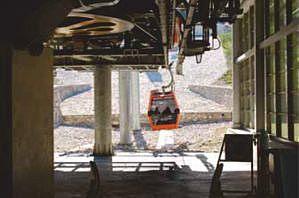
column 177, row 32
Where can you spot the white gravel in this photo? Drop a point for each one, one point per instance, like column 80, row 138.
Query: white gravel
column 197, row 136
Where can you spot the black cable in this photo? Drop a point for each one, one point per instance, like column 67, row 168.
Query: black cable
column 219, row 44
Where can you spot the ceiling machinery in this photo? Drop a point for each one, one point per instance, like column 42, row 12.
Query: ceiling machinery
column 124, row 34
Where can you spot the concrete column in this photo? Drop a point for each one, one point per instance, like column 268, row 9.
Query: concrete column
column 26, row 124
column 124, row 106
column 102, row 108
column 135, row 101
column 236, row 78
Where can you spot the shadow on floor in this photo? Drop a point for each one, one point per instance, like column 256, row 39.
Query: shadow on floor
column 138, row 175
column 205, row 161
column 71, row 179
column 139, row 139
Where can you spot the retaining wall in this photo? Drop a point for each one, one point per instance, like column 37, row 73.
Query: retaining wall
column 63, row 92
column 88, row 120
column 221, row 95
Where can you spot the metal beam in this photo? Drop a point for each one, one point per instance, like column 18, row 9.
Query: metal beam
column 236, row 115
column 245, row 5
column 244, row 56
column 164, row 28
column 110, row 52
column 139, row 68
column 131, row 60
column 283, row 32
column 289, row 77
column 181, row 57
column 259, row 75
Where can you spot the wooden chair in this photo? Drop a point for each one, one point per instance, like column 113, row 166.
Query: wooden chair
column 215, row 189
column 94, row 187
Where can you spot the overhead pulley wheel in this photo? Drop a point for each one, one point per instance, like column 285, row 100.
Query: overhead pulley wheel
column 83, row 24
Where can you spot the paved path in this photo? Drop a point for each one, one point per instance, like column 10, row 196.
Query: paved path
column 166, row 139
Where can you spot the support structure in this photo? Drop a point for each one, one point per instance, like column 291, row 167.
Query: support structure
column 26, row 124
column 129, row 104
column 236, row 78
column 124, row 106
column 259, row 117
column 102, row 108
column 135, row 101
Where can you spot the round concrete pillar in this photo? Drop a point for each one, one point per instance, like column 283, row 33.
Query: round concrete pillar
column 135, row 101
column 102, row 109
column 124, row 106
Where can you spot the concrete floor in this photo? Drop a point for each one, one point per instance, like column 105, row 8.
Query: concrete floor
column 147, row 175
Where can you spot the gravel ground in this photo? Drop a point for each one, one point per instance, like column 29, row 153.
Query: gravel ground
column 193, row 136
column 190, row 137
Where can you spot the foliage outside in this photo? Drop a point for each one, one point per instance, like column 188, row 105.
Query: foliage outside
column 226, row 41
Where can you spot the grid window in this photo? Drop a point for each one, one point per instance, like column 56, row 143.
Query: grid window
column 247, row 93
column 295, row 8
column 281, row 69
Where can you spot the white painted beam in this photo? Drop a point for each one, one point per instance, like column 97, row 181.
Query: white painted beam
column 124, row 106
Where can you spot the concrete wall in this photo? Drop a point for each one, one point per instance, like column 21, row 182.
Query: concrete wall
column 221, row 95
column 28, row 97
column 33, row 125
column 88, row 120
column 63, row 92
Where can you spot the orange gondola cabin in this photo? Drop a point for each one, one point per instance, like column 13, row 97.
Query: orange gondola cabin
column 163, row 110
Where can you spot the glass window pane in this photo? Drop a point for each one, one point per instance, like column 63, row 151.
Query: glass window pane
column 296, row 129
column 282, row 103
column 296, row 104
column 240, row 25
column 282, row 13
column 271, row 17
column 295, row 50
column 284, row 127
column 282, row 82
column 251, row 26
column 272, row 59
column 295, row 8
column 295, row 76
column 246, row 31
column 295, row 61
column 273, row 124
column 273, row 109
column 282, row 55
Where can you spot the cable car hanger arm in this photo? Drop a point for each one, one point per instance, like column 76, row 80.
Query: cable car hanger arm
column 170, row 84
